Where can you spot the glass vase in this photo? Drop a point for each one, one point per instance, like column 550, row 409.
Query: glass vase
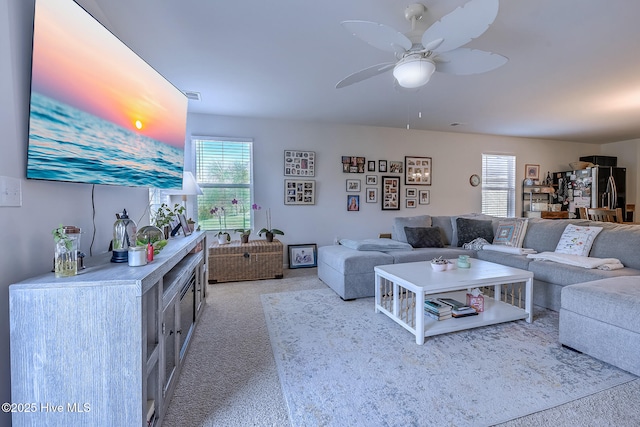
column 66, row 255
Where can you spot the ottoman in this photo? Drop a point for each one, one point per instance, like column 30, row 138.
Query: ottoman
column 349, row 272
column 602, row 319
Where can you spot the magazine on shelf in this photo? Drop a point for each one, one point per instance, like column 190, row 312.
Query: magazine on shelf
column 436, row 316
column 437, row 306
column 454, row 304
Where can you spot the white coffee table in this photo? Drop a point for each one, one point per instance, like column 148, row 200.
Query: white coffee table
column 401, row 290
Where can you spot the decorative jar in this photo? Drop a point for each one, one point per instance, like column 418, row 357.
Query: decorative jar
column 124, row 235
column 463, row 261
column 137, row 256
column 66, row 253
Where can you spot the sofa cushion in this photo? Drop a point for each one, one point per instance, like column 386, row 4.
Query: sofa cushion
column 477, row 216
column 349, row 261
column 563, row 274
column 399, row 223
column 446, row 229
column 577, row 240
column 510, row 232
column 511, row 260
column 424, row 237
column 543, row 234
column 614, row 301
column 427, row 254
column 382, row 245
column 470, row 229
column 618, row 241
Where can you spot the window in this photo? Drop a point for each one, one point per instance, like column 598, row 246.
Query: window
column 224, row 171
column 499, row 185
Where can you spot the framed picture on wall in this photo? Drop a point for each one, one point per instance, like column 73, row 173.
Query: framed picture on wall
column 353, row 203
column 410, row 203
column 353, row 164
column 532, row 171
column 371, row 166
column 382, row 165
column 299, row 192
column 299, row 163
column 396, row 166
column 372, row 195
column 417, row 170
column 353, row 185
column 424, row 198
column 372, row 179
column 390, row 193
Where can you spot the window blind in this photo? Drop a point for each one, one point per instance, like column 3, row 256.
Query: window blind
column 499, row 185
column 224, row 172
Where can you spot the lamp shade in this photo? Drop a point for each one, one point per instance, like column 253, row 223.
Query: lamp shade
column 189, row 185
column 413, row 71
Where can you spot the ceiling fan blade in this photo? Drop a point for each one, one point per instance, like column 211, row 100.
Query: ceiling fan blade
column 462, row 25
column 465, row 61
column 379, row 35
column 358, row 76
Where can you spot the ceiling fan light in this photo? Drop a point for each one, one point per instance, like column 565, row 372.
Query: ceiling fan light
column 413, row 72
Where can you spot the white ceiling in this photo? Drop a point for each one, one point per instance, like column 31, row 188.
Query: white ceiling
column 573, row 71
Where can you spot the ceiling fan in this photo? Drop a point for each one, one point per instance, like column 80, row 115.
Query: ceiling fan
column 419, row 53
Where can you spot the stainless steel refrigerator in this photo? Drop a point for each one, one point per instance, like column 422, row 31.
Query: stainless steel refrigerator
column 596, row 187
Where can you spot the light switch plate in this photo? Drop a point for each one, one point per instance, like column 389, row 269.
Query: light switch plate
column 10, row 191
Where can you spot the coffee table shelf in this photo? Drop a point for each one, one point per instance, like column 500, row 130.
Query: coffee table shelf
column 401, row 290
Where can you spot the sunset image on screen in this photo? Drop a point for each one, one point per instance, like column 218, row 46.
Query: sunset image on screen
column 83, row 77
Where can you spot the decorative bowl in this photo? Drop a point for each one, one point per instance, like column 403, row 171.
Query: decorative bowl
column 438, row 267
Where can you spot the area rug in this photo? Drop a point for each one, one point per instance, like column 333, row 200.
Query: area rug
column 342, row 364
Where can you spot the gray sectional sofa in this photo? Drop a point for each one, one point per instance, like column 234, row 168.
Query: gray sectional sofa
column 559, row 287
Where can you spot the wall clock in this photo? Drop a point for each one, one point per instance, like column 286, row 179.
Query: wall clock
column 474, row 180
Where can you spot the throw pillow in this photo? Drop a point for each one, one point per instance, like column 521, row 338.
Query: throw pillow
column 424, row 237
column 399, row 223
column 577, row 240
column 470, row 229
column 510, row 232
column 454, row 224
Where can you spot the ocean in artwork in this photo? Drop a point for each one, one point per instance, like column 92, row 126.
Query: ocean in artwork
column 68, row 144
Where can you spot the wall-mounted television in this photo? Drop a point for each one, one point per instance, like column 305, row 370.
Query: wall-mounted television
column 99, row 114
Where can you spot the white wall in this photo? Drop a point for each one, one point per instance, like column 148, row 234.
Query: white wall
column 27, row 245
column 455, row 157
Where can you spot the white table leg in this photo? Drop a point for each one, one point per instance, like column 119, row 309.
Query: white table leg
column 377, row 293
column 419, row 317
column 396, row 300
column 528, row 304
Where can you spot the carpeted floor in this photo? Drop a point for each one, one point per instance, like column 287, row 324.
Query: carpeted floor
column 230, row 376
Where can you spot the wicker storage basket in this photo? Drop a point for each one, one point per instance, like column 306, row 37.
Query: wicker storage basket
column 237, row 261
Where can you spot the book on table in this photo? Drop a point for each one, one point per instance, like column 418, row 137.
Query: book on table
column 436, row 309
column 458, row 309
column 435, row 316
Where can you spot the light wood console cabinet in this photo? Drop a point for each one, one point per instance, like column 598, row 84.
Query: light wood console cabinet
column 105, row 347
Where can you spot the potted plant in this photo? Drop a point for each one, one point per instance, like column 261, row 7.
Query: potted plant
column 222, row 235
column 164, row 215
column 269, row 232
column 244, row 231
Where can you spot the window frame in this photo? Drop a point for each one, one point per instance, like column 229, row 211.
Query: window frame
column 206, row 185
column 494, row 181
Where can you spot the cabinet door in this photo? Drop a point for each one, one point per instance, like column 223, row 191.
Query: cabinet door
column 170, row 343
